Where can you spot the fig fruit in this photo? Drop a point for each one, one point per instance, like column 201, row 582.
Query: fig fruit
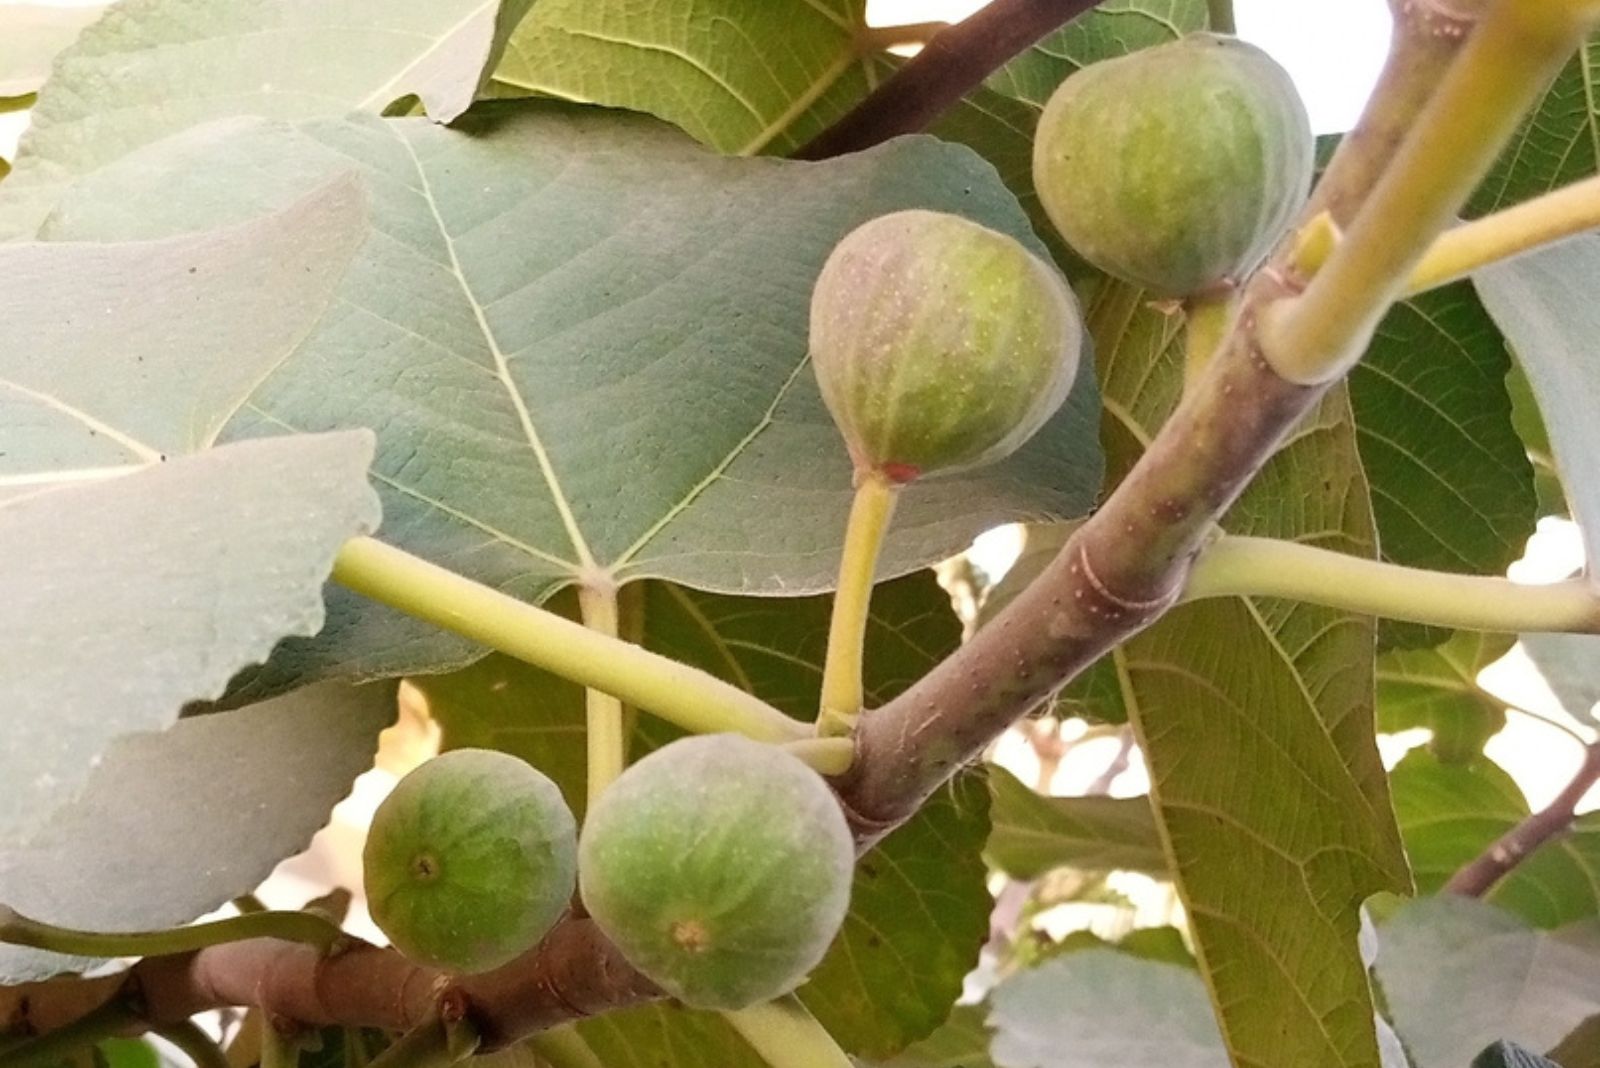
column 939, row 344
column 720, row 867
column 470, row 860
column 1177, row 167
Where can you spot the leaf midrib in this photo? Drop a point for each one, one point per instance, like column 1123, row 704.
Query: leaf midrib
column 503, row 371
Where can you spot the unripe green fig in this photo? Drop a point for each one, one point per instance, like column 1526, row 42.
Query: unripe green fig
column 939, row 344
column 720, row 867
column 1177, row 167
column 470, row 860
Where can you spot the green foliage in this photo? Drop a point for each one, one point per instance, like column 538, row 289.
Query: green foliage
column 1438, row 689
column 1458, row 974
column 259, row 254
column 1452, row 487
column 1034, row 834
column 702, row 64
column 534, row 426
column 184, row 820
column 1540, row 302
column 1452, row 813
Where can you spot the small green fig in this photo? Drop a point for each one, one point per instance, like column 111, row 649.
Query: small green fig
column 720, row 867
column 470, row 860
column 1177, row 167
column 939, row 344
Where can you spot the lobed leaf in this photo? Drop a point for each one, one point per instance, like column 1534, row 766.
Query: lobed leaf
column 711, row 67
column 1450, row 814
column 151, row 68
column 1459, row 974
column 1438, row 689
column 581, row 339
column 174, row 824
column 1034, row 834
column 920, row 907
column 1543, row 304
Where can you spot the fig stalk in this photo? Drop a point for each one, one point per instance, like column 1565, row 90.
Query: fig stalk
column 1506, row 64
column 1206, row 321
column 677, row 693
column 19, row 930
column 786, row 1035
column 606, row 736
column 843, row 696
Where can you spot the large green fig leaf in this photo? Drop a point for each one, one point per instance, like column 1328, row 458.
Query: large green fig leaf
column 1099, row 1007
column 1450, row 814
column 1459, row 974
column 648, row 1036
column 176, row 823
column 920, row 907
column 1256, row 718
column 1558, row 143
column 1511, row 1055
column 151, row 68
column 1544, row 304
column 1034, row 834
column 30, row 37
column 962, row 1041
column 128, row 596
column 581, row 339
column 1570, row 664
column 1438, row 689
column 708, row 66
column 1452, row 487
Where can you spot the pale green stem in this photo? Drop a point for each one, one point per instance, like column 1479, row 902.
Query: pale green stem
column 1518, row 229
column 1463, row 249
column 826, row 756
column 50, row 1050
column 606, row 738
column 1221, row 16
column 431, row 1044
column 1498, row 76
column 785, row 1035
column 1206, row 322
column 192, row 1041
column 679, row 694
column 842, row 693
column 1267, row 567
column 278, row 1050
column 18, row 930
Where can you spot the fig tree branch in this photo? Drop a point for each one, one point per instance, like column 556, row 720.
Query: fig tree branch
column 1120, row 571
column 1243, row 566
column 1129, row 562
column 691, row 699
column 1500, row 74
column 1517, row 844
column 952, row 64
